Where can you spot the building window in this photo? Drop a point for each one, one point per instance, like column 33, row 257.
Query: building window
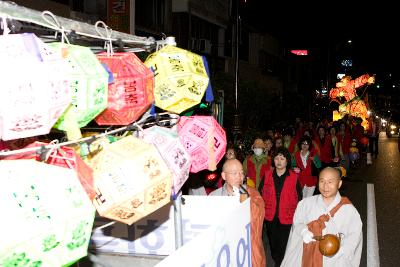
column 150, row 14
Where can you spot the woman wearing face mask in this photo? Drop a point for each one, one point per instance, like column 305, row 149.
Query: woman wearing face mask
column 256, row 165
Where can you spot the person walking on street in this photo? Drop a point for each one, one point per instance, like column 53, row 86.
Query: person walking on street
column 281, row 192
column 327, row 213
column 255, row 165
column 373, row 132
column 232, row 173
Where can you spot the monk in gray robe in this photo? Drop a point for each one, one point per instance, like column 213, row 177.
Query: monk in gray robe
column 232, row 173
column 327, row 213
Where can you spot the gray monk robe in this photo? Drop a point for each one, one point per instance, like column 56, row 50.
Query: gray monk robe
column 346, row 220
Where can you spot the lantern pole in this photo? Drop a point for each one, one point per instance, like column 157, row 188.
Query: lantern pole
column 236, row 122
column 178, row 220
column 11, row 11
column 237, row 56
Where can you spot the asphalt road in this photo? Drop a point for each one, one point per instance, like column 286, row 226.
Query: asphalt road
column 384, row 173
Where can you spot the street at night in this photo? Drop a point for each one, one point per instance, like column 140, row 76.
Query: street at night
column 199, row 133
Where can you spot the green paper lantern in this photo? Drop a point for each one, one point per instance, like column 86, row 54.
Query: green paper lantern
column 88, row 82
column 48, row 217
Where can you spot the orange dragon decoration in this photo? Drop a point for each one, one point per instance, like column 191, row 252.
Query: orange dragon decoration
column 353, row 104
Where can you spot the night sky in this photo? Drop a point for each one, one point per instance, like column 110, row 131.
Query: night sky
column 373, row 28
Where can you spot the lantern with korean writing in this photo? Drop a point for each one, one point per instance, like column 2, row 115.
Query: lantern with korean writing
column 48, row 217
column 34, row 86
column 131, row 93
column 88, row 82
column 204, row 139
column 180, row 78
column 172, row 151
column 64, row 157
column 131, row 180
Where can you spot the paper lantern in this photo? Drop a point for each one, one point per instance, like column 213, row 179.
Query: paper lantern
column 49, row 217
column 64, row 157
column 34, row 86
column 204, row 139
column 172, row 151
column 88, row 82
column 131, row 180
column 356, row 108
column 131, row 94
column 336, row 115
column 180, row 78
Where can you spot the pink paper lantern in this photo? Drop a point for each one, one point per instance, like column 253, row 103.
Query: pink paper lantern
column 131, row 94
column 34, row 86
column 172, row 151
column 204, row 139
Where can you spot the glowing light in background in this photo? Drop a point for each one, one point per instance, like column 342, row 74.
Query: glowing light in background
column 299, row 52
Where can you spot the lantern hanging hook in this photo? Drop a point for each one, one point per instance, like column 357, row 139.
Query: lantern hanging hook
column 52, row 150
column 108, row 44
column 55, row 25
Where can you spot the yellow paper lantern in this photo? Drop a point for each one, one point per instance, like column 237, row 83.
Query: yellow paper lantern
column 180, row 78
column 131, row 180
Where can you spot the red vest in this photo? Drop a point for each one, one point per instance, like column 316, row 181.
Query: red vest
column 325, row 148
column 251, row 169
column 288, row 199
column 344, row 141
column 305, row 176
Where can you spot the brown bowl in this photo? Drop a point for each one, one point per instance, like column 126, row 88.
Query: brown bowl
column 329, row 245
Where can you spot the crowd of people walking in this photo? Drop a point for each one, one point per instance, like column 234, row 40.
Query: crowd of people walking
column 297, row 172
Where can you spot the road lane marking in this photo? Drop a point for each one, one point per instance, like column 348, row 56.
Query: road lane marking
column 372, row 233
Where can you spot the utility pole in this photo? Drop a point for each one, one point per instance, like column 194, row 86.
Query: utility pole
column 236, row 122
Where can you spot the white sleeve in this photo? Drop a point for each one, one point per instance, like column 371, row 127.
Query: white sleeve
column 351, row 242
column 299, row 219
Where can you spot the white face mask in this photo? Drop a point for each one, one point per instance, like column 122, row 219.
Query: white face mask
column 258, row 151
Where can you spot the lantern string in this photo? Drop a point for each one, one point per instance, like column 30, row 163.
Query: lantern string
column 4, row 25
column 55, row 25
column 144, row 121
column 108, row 44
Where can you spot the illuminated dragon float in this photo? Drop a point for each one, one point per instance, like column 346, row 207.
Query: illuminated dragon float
column 353, row 104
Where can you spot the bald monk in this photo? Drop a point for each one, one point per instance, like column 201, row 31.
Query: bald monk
column 327, row 213
column 232, row 173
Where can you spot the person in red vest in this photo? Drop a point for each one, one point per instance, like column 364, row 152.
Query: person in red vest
column 256, row 165
column 307, row 165
column 281, row 192
column 324, row 142
column 289, row 142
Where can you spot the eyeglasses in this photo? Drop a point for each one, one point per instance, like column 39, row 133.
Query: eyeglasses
column 305, row 143
column 234, row 173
